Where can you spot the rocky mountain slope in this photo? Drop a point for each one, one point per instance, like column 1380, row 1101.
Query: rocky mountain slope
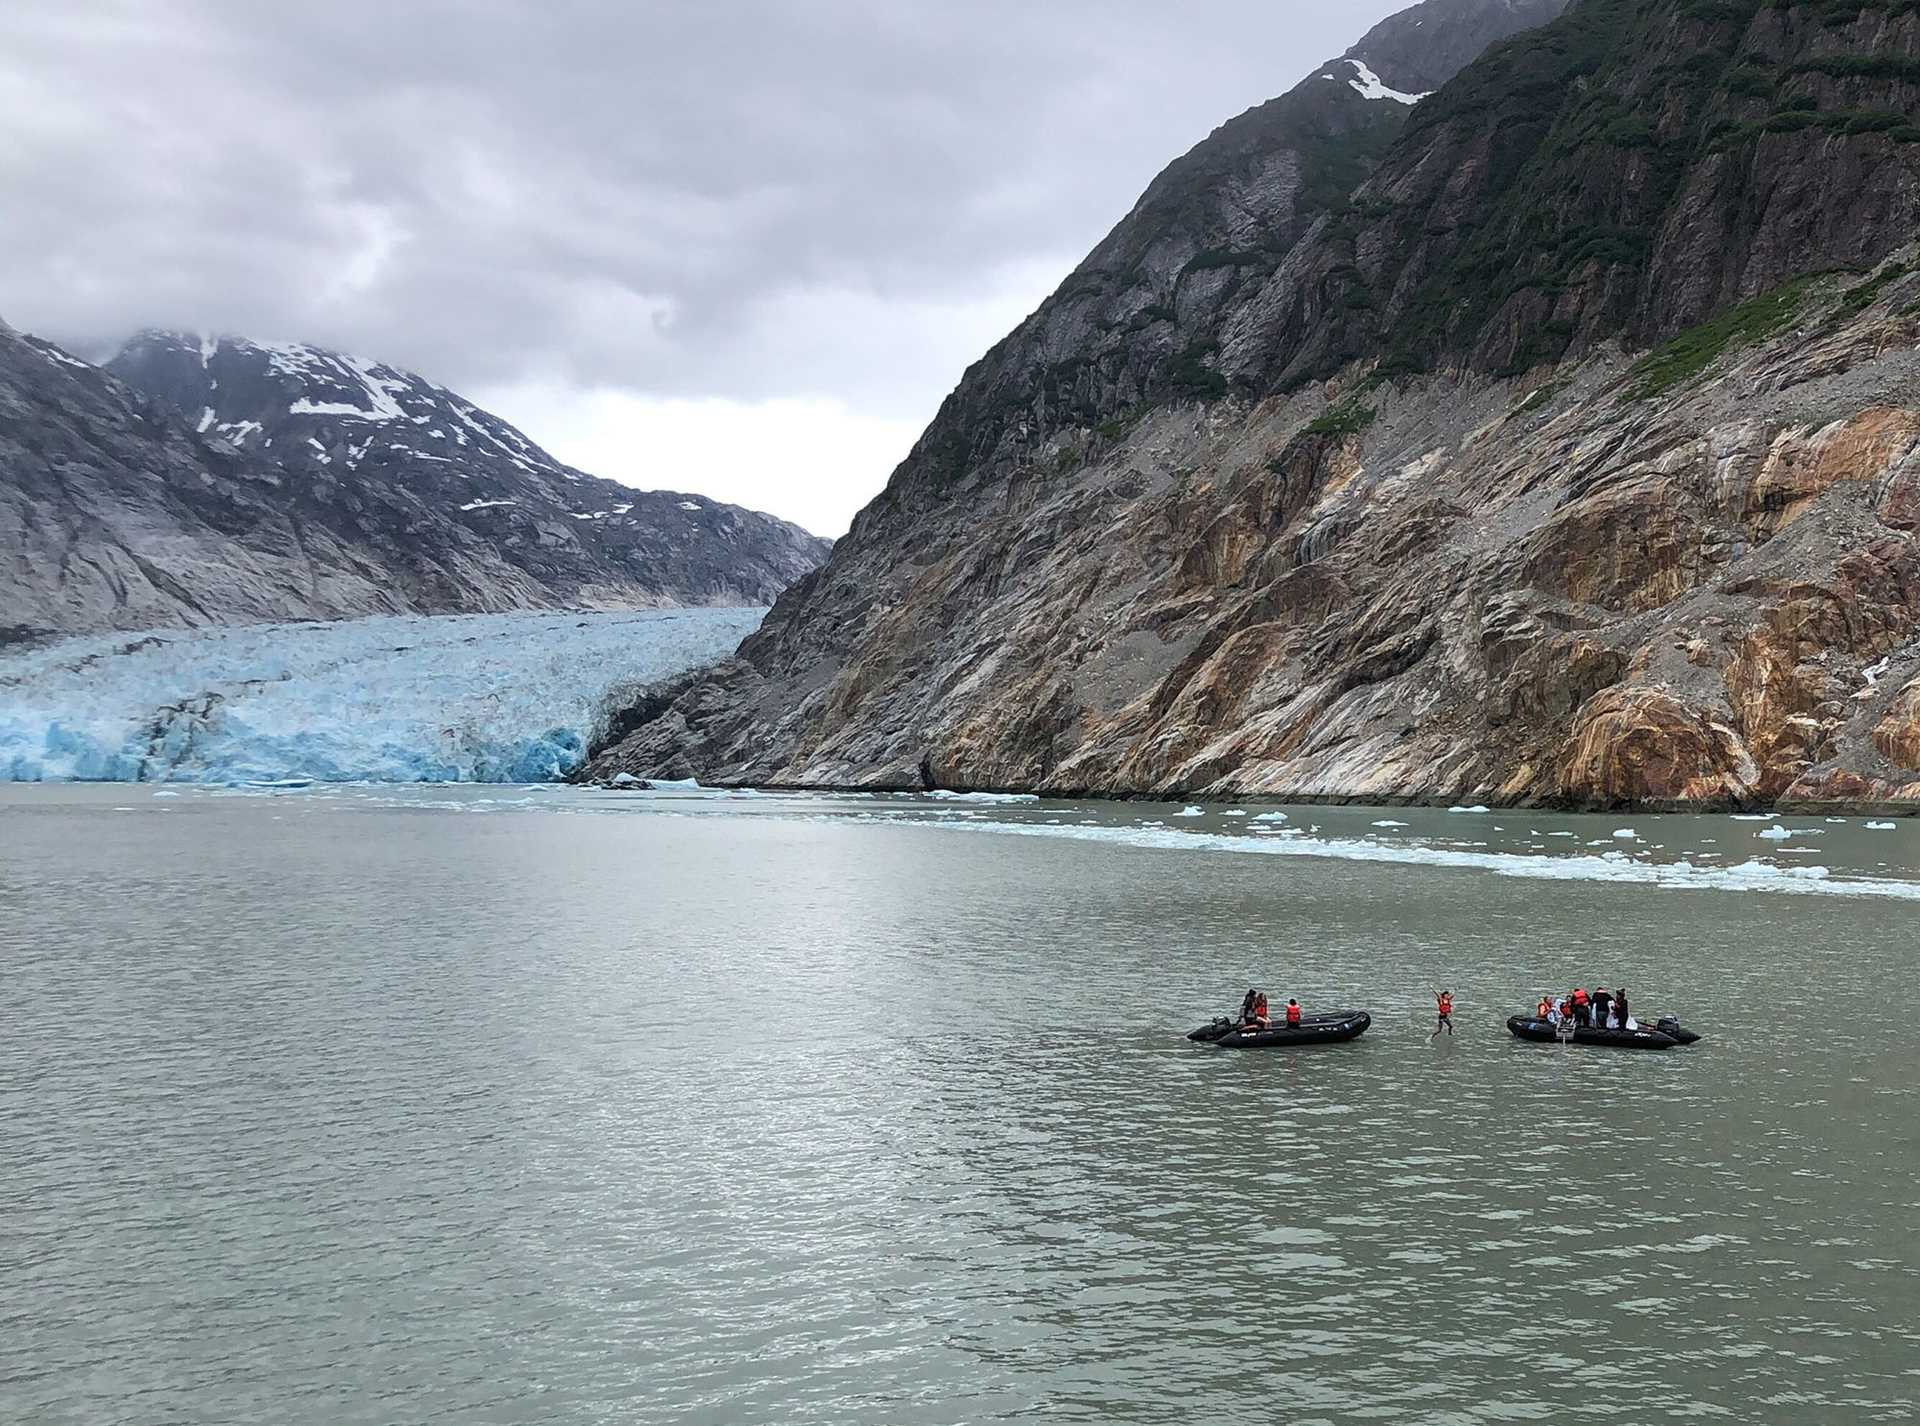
column 229, row 482
column 1572, row 458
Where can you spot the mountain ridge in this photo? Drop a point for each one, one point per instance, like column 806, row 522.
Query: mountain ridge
column 252, row 483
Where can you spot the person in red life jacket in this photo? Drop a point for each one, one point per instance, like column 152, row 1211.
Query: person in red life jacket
column 1443, row 1001
column 1581, row 1002
column 1293, row 1014
column 1545, row 1009
column 1255, row 1014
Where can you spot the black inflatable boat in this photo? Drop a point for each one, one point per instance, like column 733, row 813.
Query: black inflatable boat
column 1328, row 1029
column 1664, row 1036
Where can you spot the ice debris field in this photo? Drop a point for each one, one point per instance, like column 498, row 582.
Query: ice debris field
column 469, row 698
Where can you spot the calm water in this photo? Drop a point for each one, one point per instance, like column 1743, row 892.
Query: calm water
column 558, row 1107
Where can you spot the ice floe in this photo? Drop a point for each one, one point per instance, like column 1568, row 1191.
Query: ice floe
column 1759, row 875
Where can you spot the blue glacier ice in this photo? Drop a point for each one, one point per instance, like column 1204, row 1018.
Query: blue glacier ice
column 453, row 698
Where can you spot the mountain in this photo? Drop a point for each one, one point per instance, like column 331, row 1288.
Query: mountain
column 1141, row 321
column 1568, row 455
column 218, row 482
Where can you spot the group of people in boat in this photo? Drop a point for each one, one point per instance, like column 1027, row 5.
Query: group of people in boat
column 1589, row 1010
column 1254, row 1014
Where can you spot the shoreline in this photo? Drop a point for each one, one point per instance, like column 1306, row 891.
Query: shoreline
column 1660, row 808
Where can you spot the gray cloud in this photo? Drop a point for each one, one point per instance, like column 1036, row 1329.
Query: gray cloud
column 680, row 199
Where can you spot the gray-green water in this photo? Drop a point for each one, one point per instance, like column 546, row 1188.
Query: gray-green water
column 365, row 1107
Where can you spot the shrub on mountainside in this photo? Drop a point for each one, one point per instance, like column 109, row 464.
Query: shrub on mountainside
column 1346, row 418
column 1697, row 348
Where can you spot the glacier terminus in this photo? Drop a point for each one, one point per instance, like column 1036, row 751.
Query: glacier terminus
column 507, row 698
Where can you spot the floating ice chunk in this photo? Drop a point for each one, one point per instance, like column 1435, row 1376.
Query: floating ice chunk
column 1190, row 812
column 1475, row 811
column 1774, row 833
column 1880, row 826
column 1627, row 834
column 1235, row 813
column 942, row 795
column 1271, row 817
column 1389, row 822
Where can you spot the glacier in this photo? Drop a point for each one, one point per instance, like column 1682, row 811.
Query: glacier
column 446, row 698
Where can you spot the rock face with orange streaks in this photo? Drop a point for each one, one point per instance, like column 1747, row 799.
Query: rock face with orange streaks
column 1532, row 474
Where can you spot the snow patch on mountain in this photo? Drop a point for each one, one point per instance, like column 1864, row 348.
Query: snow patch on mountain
column 58, row 357
column 472, row 698
column 1370, row 86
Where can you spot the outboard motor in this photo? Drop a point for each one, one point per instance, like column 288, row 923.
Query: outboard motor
column 1213, row 1031
column 1670, row 1027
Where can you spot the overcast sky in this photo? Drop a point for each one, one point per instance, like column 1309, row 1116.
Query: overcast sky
column 740, row 247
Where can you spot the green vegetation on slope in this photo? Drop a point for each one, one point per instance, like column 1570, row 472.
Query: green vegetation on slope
column 1697, row 348
column 1860, row 296
column 1347, row 418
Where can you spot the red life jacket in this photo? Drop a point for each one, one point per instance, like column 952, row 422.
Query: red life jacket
column 1446, row 1005
column 1260, row 1010
column 1293, row 1017
column 1579, row 1000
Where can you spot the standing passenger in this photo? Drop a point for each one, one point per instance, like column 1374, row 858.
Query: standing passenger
column 1620, row 1006
column 1582, row 1004
column 1601, row 1002
column 1443, row 999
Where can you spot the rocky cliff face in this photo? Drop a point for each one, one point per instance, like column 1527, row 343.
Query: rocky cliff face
column 228, row 482
column 1441, row 527
column 1141, row 322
